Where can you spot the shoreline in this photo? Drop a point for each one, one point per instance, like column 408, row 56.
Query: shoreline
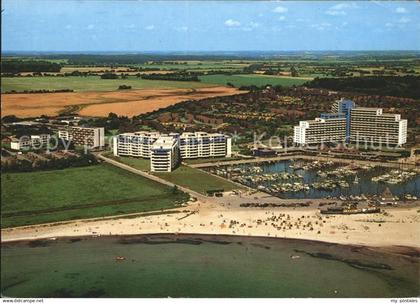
column 224, row 217
column 221, row 239
column 410, row 253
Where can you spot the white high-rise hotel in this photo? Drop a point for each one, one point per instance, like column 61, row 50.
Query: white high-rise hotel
column 320, row 130
column 352, row 124
column 164, row 151
column 372, row 125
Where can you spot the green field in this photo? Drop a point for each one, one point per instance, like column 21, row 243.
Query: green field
column 251, row 79
column 73, row 193
column 95, row 83
column 144, row 164
column 197, row 65
column 185, row 176
column 196, row 179
column 137, row 163
column 90, row 83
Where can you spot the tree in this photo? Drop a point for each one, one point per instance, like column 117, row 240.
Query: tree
column 175, row 190
column 294, row 72
column 10, row 119
column 109, row 76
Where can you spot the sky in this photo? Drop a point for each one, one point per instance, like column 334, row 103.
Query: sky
column 134, row 25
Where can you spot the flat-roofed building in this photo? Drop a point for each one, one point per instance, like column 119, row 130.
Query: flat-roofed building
column 64, row 134
column 371, row 125
column 22, row 143
column 93, row 137
column 361, row 125
column 204, row 145
column 41, row 140
column 164, row 154
column 344, row 107
column 28, row 142
column 136, row 144
column 320, row 130
column 188, row 145
column 191, row 145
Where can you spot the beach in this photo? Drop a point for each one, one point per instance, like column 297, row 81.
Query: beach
column 393, row 226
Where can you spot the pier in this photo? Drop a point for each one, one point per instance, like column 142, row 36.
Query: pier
column 398, row 165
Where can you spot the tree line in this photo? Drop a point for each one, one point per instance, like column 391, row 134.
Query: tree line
column 406, row 86
column 50, row 164
column 40, row 91
column 18, row 66
column 172, row 77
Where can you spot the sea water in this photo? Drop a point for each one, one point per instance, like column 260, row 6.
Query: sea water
column 202, row 266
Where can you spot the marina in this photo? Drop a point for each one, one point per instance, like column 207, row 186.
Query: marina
column 324, row 179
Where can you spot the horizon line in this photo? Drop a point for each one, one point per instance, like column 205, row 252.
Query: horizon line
column 206, row 51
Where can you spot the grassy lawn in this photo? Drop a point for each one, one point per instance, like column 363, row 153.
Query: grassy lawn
column 137, row 163
column 90, row 83
column 73, row 193
column 185, row 176
column 251, row 79
column 196, row 179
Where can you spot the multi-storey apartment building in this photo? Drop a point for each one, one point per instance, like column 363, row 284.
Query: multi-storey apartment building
column 371, row 125
column 93, row 137
column 320, row 130
column 164, row 154
column 188, row 145
column 27, row 142
column 361, row 125
column 136, row 144
column 204, row 145
column 64, row 134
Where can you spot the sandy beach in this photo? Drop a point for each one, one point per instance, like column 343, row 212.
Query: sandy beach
column 398, row 226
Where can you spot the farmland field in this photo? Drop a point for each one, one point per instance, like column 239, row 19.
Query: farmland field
column 95, row 191
column 90, row 83
column 123, row 102
column 252, row 79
